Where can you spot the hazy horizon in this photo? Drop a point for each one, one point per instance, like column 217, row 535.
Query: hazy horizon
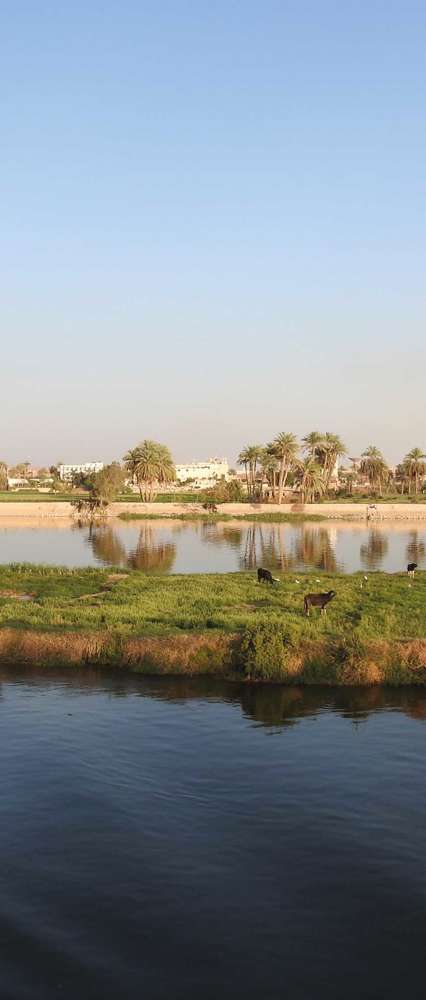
column 213, row 226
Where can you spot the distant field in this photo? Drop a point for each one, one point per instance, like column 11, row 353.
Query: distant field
column 30, row 496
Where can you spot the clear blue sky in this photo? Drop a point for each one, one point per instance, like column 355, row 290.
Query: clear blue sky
column 213, row 224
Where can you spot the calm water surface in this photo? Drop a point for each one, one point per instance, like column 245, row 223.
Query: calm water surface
column 198, row 547
column 188, row 839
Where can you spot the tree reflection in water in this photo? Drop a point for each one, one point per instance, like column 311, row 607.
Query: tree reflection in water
column 373, row 551
column 275, row 706
column 150, row 554
column 416, row 549
column 106, row 545
column 266, row 546
column 314, row 548
column 283, row 547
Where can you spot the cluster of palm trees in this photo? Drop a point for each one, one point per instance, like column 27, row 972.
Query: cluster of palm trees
column 412, row 470
column 308, row 465
column 407, row 477
column 149, row 465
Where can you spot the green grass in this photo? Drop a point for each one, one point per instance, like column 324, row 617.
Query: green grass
column 224, row 625
column 385, row 607
column 31, row 496
column 272, row 518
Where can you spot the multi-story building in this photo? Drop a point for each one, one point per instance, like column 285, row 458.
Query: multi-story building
column 203, row 474
column 66, row 472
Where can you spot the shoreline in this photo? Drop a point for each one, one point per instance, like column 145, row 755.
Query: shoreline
column 320, row 663
column 239, row 511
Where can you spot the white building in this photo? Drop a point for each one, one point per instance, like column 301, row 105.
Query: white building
column 66, row 472
column 15, row 483
column 203, row 474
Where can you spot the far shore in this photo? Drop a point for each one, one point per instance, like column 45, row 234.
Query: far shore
column 346, row 511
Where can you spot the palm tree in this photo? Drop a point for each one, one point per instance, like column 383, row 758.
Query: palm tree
column 249, row 457
column 324, row 449
column 311, row 478
column 312, row 444
column 151, row 465
column 269, row 466
column 401, row 478
column 374, row 467
column 415, row 467
column 347, row 477
column 3, row 476
column 331, row 449
column 285, row 448
column 131, row 459
column 243, row 460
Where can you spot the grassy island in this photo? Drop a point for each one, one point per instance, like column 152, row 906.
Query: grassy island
column 226, row 625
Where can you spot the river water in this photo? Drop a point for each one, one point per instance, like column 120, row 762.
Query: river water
column 196, row 547
column 186, row 839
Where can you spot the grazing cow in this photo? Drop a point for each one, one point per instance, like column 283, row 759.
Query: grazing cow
column 410, row 568
column 318, row 601
column 265, row 575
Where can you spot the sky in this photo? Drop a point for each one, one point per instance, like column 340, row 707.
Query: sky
column 212, row 226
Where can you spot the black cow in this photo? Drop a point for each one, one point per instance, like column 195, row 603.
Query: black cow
column 410, row 568
column 318, row 601
column 264, row 575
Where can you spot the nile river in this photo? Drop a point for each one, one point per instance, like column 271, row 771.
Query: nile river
column 183, row 839
column 200, row 547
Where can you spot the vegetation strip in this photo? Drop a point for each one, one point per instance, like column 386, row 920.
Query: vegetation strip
column 273, row 517
column 227, row 625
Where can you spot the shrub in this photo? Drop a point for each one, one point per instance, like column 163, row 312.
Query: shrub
column 264, row 652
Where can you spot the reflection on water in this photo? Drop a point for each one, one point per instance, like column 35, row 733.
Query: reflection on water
column 271, row 705
column 374, row 549
column 270, row 546
column 416, row 548
column 149, row 554
column 170, row 838
column 194, row 547
column 275, row 546
column 315, row 548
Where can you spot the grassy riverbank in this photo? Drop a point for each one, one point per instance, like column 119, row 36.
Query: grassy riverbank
column 227, row 625
column 273, row 517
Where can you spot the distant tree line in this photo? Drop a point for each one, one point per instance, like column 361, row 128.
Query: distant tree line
column 308, row 467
